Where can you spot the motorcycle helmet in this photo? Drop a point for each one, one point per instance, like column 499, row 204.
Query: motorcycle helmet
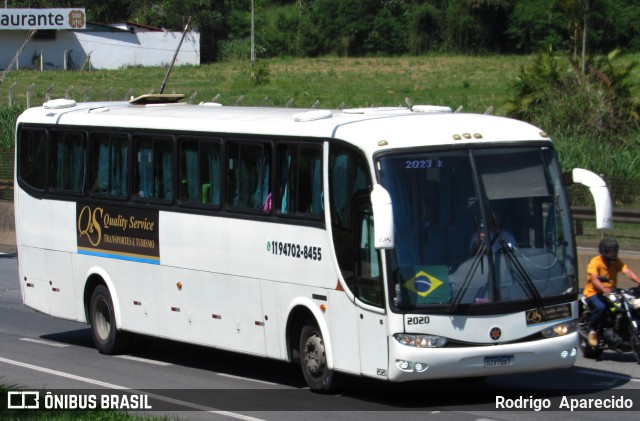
column 608, row 248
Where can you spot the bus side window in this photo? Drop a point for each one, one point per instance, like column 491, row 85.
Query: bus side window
column 368, row 285
column 286, row 179
column 153, row 167
column 210, row 173
column 300, row 180
column 164, row 170
column 248, row 172
column 32, row 156
column 200, row 171
column 310, row 174
column 109, row 164
column 68, row 161
column 189, row 174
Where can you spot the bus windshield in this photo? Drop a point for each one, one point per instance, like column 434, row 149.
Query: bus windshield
column 476, row 229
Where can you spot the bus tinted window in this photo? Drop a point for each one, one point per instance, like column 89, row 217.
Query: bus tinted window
column 68, row 154
column 200, row 171
column 32, row 151
column 109, row 172
column 248, row 176
column 348, row 182
column 300, row 180
column 347, row 176
column 153, row 167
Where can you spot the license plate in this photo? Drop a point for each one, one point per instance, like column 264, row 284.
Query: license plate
column 499, row 361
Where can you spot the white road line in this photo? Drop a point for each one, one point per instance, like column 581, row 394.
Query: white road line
column 63, row 374
column 43, row 342
column 135, row 391
column 246, row 379
column 143, row 360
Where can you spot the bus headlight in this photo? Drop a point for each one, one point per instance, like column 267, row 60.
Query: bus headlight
column 420, row 341
column 560, row 329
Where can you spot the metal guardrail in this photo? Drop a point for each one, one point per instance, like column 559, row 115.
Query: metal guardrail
column 6, row 184
column 581, row 213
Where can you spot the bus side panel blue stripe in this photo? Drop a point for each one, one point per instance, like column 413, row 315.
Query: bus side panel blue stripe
column 120, row 257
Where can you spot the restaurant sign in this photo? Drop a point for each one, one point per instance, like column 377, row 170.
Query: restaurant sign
column 43, row 19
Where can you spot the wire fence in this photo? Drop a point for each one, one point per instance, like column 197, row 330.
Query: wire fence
column 625, row 193
column 6, row 173
column 30, row 96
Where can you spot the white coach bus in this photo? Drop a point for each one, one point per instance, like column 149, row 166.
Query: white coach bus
column 398, row 244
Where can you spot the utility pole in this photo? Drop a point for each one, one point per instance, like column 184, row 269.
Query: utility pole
column 253, row 43
column 175, row 55
column 584, row 36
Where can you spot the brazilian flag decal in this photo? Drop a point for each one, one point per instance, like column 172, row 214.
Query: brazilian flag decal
column 430, row 284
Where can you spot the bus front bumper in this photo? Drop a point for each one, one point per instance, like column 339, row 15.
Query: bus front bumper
column 409, row 363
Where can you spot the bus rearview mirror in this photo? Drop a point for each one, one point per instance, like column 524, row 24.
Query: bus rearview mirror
column 600, row 193
column 382, row 218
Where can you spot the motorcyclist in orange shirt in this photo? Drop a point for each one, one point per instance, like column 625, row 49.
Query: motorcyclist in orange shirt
column 602, row 276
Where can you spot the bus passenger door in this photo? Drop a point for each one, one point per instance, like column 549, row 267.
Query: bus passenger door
column 369, row 293
column 352, row 230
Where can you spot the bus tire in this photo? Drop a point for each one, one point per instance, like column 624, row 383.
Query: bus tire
column 106, row 337
column 313, row 360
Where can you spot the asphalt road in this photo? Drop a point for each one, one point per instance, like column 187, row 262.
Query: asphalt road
column 181, row 381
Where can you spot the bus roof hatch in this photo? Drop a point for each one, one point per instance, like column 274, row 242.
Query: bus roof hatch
column 156, row 99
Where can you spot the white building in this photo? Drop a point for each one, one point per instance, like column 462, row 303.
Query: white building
column 100, row 46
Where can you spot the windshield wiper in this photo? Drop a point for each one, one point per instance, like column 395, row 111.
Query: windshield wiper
column 522, row 275
column 477, row 259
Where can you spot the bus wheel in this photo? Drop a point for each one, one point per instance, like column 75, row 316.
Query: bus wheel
column 314, row 360
column 106, row 337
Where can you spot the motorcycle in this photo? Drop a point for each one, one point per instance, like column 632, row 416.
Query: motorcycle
column 620, row 329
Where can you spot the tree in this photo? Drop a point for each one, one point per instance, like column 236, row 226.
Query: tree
column 534, row 24
column 476, row 26
column 577, row 13
column 425, row 28
column 596, row 104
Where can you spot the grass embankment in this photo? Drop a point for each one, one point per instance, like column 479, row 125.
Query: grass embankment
column 476, row 83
